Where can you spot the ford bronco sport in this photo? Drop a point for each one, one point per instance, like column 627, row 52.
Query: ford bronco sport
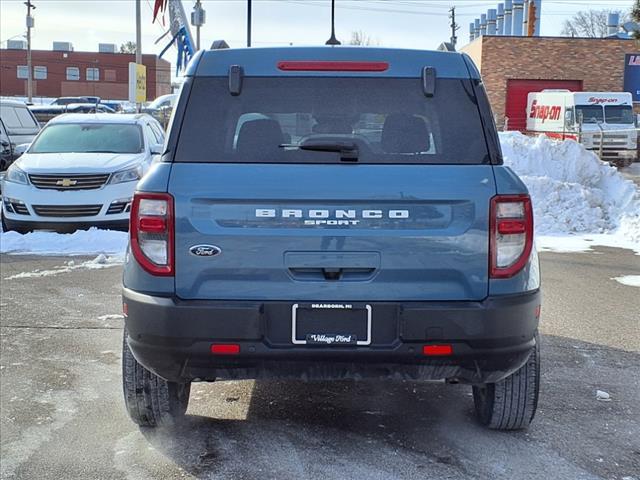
column 328, row 213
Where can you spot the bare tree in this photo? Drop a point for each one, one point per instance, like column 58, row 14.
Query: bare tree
column 635, row 16
column 361, row 38
column 590, row 23
column 128, row 47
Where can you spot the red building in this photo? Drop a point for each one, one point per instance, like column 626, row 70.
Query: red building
column 68, row 73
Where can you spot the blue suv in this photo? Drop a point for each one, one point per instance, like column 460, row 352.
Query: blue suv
column 329, row 213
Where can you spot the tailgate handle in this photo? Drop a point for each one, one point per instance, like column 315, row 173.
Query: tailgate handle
column 331, row 273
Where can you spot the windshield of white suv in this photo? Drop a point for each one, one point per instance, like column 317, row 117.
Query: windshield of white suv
column 619, row 114
column 590, row 113
column 89, row 138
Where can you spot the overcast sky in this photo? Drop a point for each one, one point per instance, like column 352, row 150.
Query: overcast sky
column 394, row 23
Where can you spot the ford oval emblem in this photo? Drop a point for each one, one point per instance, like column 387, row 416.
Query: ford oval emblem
column 204, row 250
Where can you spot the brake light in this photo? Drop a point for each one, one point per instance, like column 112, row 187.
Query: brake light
column 151, row 231
column 511, row 234
column 437, row 350
column 225, row 349
column 333, row 66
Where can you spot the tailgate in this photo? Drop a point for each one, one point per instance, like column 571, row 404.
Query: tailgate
column 332, row 232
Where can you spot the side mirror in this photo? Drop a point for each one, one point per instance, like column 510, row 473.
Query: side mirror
column 20, row 149
column 157, row 149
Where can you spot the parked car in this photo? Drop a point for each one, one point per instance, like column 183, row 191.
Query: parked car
column 116, row 106
column 276, row 239
column 18, row 126
column 161, row 108
column 80, row 171
column 163, row 101
column 68, row 100
column 44, row 113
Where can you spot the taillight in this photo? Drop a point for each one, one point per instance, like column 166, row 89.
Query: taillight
column 511, row 234
column 151, row 230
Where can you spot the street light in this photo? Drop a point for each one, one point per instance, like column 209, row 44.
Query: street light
column 198, row 18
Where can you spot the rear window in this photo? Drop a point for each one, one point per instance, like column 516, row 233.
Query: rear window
column 380, row 120
column 18, row 119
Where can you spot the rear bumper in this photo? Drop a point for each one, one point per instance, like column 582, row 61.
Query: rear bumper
column 490, row 340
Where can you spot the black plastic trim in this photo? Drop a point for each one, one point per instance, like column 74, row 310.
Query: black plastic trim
column 172, row 337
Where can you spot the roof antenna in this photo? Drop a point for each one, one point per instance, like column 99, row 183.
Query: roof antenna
column 333, row 40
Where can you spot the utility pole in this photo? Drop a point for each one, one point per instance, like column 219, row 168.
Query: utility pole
column 248, row 23
column 30, row 24
column 531, row 25
column 454, row 26
column 138, row 42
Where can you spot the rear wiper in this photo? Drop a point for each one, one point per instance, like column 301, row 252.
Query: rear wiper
column 101, row 151
column 348, row 150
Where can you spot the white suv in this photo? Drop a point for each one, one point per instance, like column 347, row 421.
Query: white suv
column 80, row 171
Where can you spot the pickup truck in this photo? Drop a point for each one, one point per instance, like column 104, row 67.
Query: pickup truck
column 328, row 213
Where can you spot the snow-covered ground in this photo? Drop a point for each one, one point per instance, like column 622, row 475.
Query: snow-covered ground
column 82, row 242
column 578, row 201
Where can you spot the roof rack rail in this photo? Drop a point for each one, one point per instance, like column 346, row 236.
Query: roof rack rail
column 219, row 44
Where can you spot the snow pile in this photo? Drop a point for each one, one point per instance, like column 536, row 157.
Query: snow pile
column 81, row 242
column 98, row 263
column 573, row 192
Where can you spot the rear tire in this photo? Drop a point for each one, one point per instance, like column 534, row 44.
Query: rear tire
column 511, row 403
column 151, row 400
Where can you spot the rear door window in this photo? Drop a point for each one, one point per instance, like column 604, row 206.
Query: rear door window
column 380, row 120
column 18, row 119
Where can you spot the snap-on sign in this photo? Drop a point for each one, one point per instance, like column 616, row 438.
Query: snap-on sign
column 599, row 101
column 545, row 112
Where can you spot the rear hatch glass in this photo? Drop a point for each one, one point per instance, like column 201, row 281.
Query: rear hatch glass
column 368, row 120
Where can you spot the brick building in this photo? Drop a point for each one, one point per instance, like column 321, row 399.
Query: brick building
column 512, row 67
column 69, row 73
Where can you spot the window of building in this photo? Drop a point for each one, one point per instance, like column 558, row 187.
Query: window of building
column 109, row 75
column 73, row 73
column 93, row 74
column 40, row 73
column 23, row 71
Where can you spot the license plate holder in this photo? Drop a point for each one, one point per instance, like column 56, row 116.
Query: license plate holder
column 331, row 324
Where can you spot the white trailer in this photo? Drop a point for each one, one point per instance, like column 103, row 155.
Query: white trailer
column 603, row 122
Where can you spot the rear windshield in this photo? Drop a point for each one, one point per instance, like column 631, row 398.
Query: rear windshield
column 88, row 138
column 288, row 120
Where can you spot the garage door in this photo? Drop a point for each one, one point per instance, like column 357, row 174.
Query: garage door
column 517, row 91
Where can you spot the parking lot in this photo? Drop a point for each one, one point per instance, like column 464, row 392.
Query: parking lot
column 63, row 414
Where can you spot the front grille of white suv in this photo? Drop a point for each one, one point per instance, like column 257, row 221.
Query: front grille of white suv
column 67, row 210
column 69, row 182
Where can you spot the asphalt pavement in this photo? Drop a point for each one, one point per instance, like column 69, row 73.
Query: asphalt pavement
column 62, row 414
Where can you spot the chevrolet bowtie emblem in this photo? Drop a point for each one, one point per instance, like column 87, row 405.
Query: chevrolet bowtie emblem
column 66, row 182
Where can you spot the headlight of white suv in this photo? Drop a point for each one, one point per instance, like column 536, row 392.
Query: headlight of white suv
column 129, row 175
column 15, row 175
